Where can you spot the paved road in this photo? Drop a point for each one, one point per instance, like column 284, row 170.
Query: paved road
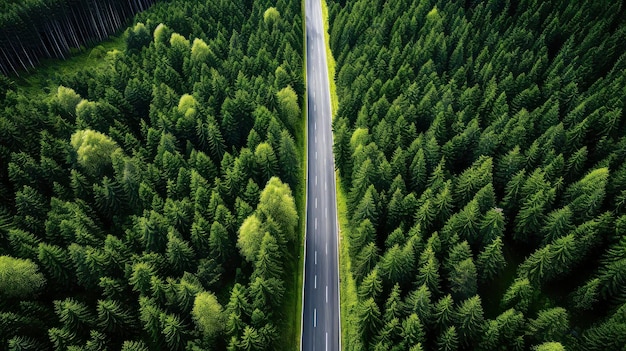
column 320, row 323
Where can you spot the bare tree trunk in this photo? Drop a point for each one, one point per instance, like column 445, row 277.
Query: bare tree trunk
column 17, row 54
column 26, row 54
column 8, row 60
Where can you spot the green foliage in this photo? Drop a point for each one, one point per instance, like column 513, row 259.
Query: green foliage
column 138, row 37
column 271, row 15
column 19, row 277
column 288, row 106
column 68, row 99
column 93, row 150
column 484, row 134
column 250, row 237
column 207, row 313
column 549, row 346
column 277, row 203
column 550, row 325
column 127, row 180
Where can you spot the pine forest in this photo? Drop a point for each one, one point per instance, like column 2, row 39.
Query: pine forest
column 153, row 174
column 150, row 204
column 481, row 147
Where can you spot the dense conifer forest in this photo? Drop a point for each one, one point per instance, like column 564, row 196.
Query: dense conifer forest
column 481, row 147
column 152, row 203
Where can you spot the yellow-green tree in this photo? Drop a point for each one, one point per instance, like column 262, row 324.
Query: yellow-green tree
column 19, row 277
column 207, row 313
column 93, row 149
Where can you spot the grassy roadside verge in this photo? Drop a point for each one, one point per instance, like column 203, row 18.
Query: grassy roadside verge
column 293, row 303
column 347, row 285
column 330, row 61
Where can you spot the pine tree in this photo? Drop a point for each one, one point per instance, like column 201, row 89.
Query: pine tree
column 470, row 320
column 114, row 318
column 419, row 301
column 393, row 305
column 174, row 331
column 371, row 286
column 550, row 325
column 463, row 280
column 395, row 264
column 179, row 254
column 448, row 340
column 74, row 315
column 428, row 272
column 370, row 317
column 288, row 160
column 519, row 295
column 268, row 264
column 491, row 261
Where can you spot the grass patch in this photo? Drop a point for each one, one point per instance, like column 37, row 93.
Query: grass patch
column 45, row 77
column 347, row 284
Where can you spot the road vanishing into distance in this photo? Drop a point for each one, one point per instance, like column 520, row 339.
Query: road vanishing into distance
column 320, row 314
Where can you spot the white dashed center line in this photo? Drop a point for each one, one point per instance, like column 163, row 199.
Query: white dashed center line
column 326, row 293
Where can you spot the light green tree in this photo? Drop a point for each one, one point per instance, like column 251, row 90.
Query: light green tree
column 207, row 314
column 288, row 107
column 186, row 102
column 68, row 99
column 250, row 238
column 278, row 203
column 19, row 277
column 549, row 346
column 94, row 149
column 271, row 15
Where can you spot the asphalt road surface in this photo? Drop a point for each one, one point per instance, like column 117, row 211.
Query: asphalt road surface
column 320, row 323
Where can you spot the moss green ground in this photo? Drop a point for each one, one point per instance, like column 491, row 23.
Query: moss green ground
column 43, row 78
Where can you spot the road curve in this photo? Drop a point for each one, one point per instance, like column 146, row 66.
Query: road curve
column 320, row 314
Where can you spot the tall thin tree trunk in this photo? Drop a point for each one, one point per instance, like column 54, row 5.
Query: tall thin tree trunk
column 41, row 42
column 26, row 54
column 9, row 61
column 17, row 54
